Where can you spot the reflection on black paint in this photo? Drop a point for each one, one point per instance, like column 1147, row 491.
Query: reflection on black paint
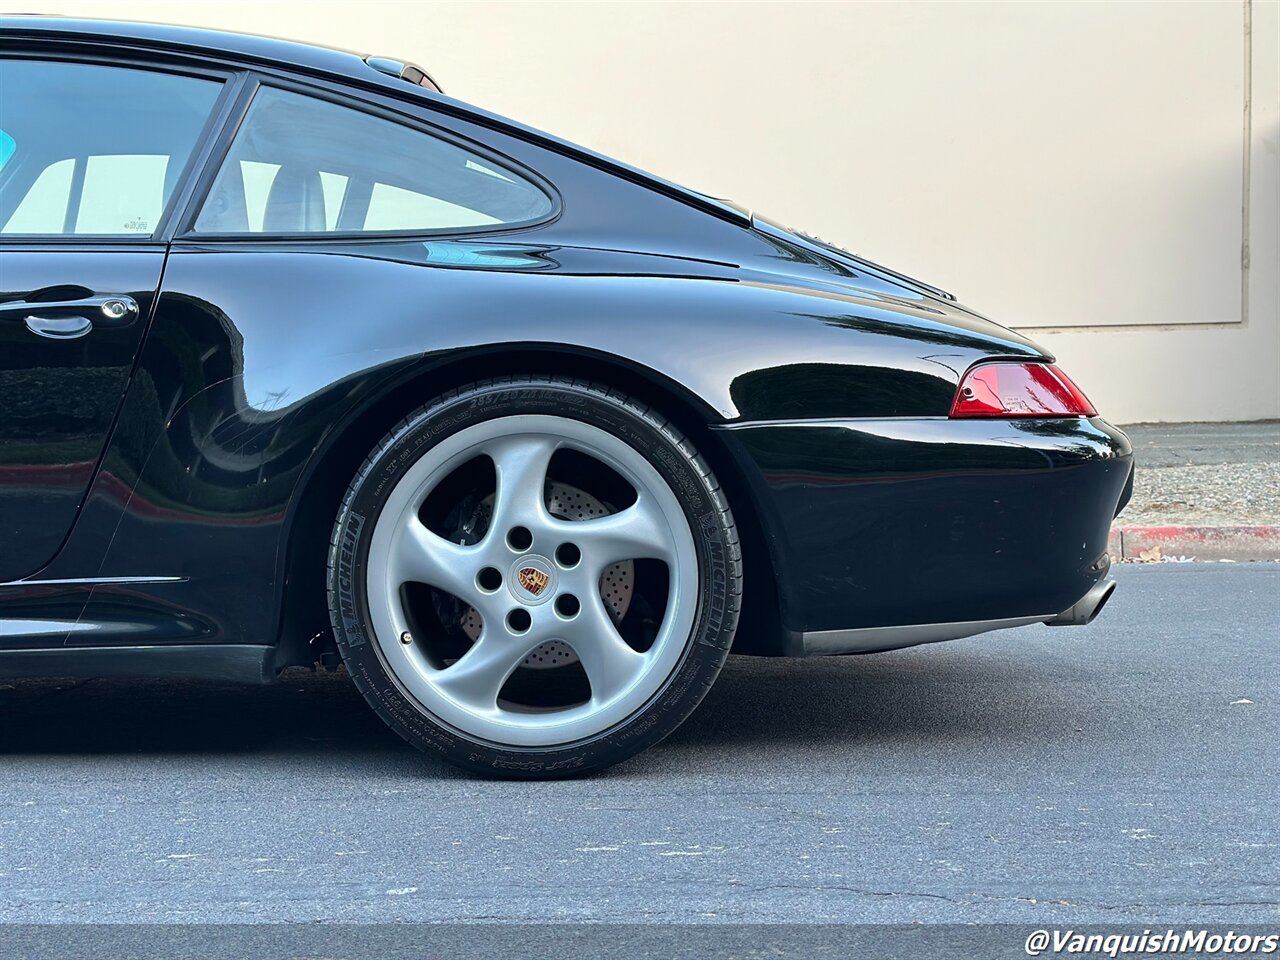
column 831, row 390
column 59, row 398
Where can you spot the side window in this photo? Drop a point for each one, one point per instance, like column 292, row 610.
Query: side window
column 94, row 150
column 303, row 165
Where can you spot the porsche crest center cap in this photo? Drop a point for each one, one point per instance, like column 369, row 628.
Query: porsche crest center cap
column 532, row 579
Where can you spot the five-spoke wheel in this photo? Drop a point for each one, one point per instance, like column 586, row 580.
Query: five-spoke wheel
column 530, row 580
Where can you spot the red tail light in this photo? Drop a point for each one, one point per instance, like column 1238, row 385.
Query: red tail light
column 1019, row 390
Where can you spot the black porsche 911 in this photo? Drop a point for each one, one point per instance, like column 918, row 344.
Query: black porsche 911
column 303, row 362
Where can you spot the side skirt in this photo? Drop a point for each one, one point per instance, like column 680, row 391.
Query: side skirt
column 227, row 662
column 876, row 639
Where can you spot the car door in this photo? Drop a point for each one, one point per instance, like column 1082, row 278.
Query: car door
column 92, row 156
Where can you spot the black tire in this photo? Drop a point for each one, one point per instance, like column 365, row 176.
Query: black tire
column 715, row 537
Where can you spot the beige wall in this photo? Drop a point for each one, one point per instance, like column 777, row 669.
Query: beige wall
column 1087, row 172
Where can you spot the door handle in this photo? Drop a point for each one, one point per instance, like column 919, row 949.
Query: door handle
column 59, row 328
column 67, row 319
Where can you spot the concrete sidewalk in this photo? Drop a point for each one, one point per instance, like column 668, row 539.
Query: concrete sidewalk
column 1209, row 491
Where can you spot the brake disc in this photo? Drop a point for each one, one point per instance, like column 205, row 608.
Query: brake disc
column 617, row 584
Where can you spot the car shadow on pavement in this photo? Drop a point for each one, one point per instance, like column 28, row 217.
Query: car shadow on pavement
column 891, row 700
column 304, row 713
column 939, row 692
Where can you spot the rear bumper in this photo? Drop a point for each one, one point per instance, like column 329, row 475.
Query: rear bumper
column 936, row 528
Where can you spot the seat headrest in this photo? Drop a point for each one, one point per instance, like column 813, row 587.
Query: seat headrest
column 295, row 203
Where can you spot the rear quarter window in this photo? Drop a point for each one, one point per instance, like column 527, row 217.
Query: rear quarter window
column 302, row 165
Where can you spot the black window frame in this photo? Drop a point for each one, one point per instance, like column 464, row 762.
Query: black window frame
column 405, row 114
column 175, row 206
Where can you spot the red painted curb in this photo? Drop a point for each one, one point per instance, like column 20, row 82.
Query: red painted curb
column 1234, row 542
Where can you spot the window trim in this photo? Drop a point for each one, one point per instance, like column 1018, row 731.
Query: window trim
column 347, row 97
column 231, row 81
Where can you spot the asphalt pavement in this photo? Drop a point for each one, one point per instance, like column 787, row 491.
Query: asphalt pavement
column 1120, row 773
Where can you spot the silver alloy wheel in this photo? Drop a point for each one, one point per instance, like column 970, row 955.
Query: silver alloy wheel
column 522, row 613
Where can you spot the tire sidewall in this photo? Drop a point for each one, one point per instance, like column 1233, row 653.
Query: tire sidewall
column 714, row 621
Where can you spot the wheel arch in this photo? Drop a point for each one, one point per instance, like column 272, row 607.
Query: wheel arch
column 304, row 635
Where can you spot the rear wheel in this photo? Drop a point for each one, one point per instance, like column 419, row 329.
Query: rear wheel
column 535, row 577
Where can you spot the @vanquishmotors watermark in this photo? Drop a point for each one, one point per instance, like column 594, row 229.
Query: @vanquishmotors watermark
column 1203, row 942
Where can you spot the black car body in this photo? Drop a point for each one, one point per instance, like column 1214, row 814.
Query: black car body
column 168, row 482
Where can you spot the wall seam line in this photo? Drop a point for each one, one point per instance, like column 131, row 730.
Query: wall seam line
column 1246, row 172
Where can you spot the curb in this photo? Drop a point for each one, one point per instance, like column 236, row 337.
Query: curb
column 1242, row 542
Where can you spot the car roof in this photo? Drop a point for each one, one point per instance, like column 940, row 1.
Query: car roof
column 341, row 65
column 270, row 51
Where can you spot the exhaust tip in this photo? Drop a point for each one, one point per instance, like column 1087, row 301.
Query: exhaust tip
column 1085, row 610
column 1108, row 590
